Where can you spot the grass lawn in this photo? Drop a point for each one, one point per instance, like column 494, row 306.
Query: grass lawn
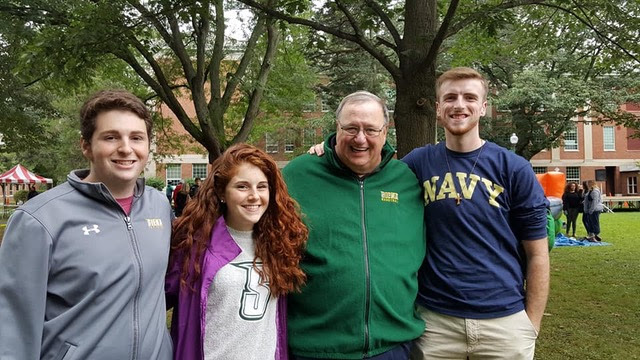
column 594, row 304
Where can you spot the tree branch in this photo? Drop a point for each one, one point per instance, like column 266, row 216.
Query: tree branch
column 387, row 43
column 171, row 39
column 216, row 58
column 352, row 21
column 155, row 95
column 159, row 84
column 386, row 20
column 440, row 35
column 479, row 15
column 179, row 49
column 36, row 14
column 384, row 61
column 202, row 33
column 256, row 95
column 588, row 24
column 234, row 79
column 201, row 20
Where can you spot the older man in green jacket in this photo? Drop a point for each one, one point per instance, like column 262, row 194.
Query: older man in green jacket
column 366, row 242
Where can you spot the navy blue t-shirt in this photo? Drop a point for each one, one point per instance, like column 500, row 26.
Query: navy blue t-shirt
column 475, row 264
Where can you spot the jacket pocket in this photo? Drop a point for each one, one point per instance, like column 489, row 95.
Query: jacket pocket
column 66, row 351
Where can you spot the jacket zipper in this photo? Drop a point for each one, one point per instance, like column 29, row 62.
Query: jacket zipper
column 136, row 299
column 367, row 274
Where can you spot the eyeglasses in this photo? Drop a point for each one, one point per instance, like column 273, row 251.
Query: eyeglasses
column 368, row 132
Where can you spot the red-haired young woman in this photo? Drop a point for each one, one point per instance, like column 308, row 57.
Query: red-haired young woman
column 235, row 254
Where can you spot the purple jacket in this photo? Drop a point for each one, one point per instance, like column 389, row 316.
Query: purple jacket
column 188, row 321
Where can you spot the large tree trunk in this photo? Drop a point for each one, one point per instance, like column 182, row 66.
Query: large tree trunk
column 415, row 112
column 415, row 116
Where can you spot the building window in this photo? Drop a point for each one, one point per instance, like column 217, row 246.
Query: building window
column 571, row 139
column 174, row 173
column 539, row 169
column 573, row 174
column 325, row 105
column 309, row 137
column 609, row 139
column 289, row 144
column 632, row 185
column 199, row 171
column 271, row 144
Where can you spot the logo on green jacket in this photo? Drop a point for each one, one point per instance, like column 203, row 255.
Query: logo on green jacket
column 388, row 196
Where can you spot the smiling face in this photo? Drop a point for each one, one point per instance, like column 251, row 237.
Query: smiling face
column 460, row 105
column 246, row 197
column 118, row 151
column 360, row 153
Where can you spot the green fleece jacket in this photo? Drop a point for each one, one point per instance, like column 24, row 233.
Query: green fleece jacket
column 366, row 243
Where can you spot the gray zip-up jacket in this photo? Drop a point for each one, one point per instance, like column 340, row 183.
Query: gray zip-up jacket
column 79, row 279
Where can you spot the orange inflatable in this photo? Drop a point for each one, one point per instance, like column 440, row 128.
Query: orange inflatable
column 553, row 183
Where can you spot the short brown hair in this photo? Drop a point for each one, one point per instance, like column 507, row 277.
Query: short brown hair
column 107, row 100
column 461, row 73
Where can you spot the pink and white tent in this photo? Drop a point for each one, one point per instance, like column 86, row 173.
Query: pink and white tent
column 20, row 175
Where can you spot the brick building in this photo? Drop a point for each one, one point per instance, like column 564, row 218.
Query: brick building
column 604, row 152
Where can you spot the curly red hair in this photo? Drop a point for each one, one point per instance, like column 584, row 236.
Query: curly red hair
column 280, row 235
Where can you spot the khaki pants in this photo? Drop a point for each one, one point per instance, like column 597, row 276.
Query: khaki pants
column 511, row 337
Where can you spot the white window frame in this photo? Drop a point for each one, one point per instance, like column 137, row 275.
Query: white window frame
column 609, row 140
column 199, row 173
column 571, row 139
column 172, row 176
column 325, row 106
column 289, row 142
column 632, row 185
column 539, row 169
column 571, row 173
column 270, row 144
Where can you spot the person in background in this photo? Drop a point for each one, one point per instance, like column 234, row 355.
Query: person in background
column 585, row 205
column 592, row 209
column 195, row 187
column 176, row 190
column 182, row 197
column 169, row 193
column 571, row 204
column 32, row 192
column 82, row 265
column 235, row 256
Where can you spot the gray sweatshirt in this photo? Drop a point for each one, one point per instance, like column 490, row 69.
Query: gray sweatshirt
column 593, row 201
column 79, row 279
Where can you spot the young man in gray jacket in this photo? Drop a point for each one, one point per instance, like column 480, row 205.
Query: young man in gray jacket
column 82, row 265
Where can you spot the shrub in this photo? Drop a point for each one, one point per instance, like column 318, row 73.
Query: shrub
column 20, row 195
column 155, row 182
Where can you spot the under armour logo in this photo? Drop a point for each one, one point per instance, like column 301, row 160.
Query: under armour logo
column 88, row 230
